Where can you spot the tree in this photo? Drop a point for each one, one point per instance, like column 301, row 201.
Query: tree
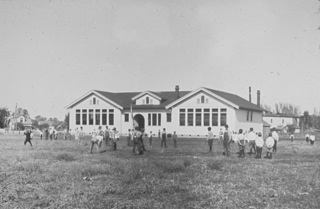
column 66, row 120
column 4, row 113
column 306, row 119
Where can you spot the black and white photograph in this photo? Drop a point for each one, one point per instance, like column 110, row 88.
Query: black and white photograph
column 164, row 104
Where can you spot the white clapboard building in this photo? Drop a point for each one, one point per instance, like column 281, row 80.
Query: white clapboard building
column 189, row 113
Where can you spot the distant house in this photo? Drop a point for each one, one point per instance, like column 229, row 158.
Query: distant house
column 282, row 121
column 188, row 113
column 26, row 122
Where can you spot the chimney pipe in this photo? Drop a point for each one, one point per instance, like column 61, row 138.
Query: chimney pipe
column 249, row 93
column 258, row 98
column 177, row 92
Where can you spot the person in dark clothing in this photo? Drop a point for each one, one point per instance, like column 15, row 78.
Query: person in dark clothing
column 28, row 137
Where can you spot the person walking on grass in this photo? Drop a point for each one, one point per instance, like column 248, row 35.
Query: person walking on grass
column 241, row 139
column 210, row 138
column 174, row 138
column 252, row 138
column 270, row 142
column 97, row 138
column 259, row 145
column 226, row 141
column 28, row 137
column 275, row 136
column 163, row 140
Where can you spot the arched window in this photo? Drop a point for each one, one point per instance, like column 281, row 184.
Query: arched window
column 147, row 100
column 94, row 100
column 202, row 99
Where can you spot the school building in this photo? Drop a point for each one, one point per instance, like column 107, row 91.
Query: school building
column 189, row 113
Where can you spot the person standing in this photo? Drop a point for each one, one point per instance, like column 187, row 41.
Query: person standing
column 47, row 134
column 220, row 135
column 107, row 136
column 51, row 133
column 252, row 138
column 259, row 145
column 291, row 137
column 275, row 136
column 270, row 142
column 241, row 143
column 141, row 140
column 174, row 138
column 226, row 140
column 150, row 140
column 115, row 137
column 129, row 138
column 163, row 140
column 210, row 139
column 28, row 137
column 312, row 138
column 307, row 137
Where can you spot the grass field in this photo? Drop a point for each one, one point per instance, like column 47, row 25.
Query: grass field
column 52, row 174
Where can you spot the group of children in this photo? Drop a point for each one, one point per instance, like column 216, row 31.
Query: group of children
column 254, row 140
column 310, row 137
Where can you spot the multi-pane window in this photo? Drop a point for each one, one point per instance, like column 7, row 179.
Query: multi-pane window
column 77, row 117
column 214, row 117
column 111, row 117
column 182, row 117
column 126, row 117
column 159, row 119
column 147, row 100
column 206, row 117
column 223, row 117
column 154, row 119
column 198, row 117
column 149, row 119
column 190, row 117
column 94, row 101
column 91, row 117
column 168, row 117
column 104, row 117
column 84, row 117
column 97, row 117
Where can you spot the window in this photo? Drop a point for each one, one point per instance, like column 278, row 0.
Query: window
column 182, row 117
column 126, row 117
column 168, row 117
column 190, row 117
column 223, row 117
column 104, row 117
column 251, row 116
column 111, row 121
column 206, row 117
column 94, row 101
column 147, row 100
column 21, row 120
column 97, row 117
column 90, row 117
column 248, row 112
column 149, row 119
column 159, row 119
column 198, row 117
column 84, row 117
column 77, row 117
column 202, row 99
column 154, row 119
column 214, row 117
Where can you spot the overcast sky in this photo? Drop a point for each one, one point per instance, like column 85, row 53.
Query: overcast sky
column 54, row 51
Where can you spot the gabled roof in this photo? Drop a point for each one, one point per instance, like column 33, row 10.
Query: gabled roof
column 281, row 115
column 123, row 100
column 146, row 92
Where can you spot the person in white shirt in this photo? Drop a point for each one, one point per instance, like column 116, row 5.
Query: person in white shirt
column 81, row 134
column 275, row 136
column 291, row 137
column 252, row 138
column 259, row 145
column 312, row 138
column 270, row 142
column 241, row 140
column 227, row 137
column 307, row 138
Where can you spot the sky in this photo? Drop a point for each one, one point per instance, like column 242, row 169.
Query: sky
column 52, row 52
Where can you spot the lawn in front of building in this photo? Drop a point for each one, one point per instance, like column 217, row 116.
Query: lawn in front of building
column 62, row 174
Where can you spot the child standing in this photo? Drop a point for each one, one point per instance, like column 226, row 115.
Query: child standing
column 28, row 137
column 259, row 145
column 312, row 138
column 174, row 138
column 210, row 139
column 241, row 142
column 150, row 139
column 270, row 142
